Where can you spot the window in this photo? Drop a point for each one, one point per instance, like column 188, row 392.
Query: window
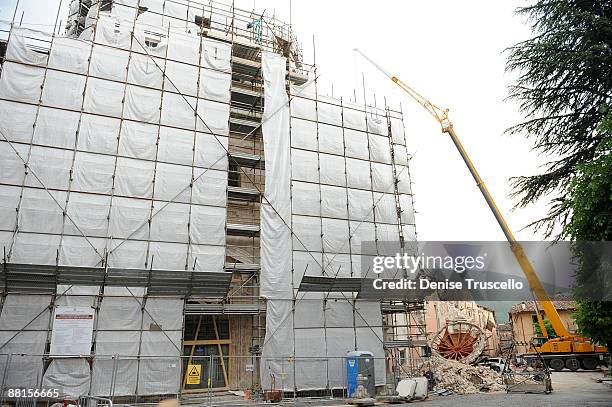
column 202, row 22
column 151, row 42
column 106, row 5
column 234, row 175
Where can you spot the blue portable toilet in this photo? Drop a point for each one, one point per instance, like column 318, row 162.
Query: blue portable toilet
column 360, row 362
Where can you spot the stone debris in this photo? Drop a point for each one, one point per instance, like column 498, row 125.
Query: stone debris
column 460, row 378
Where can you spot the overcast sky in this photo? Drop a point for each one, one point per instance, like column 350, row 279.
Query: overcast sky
column 452, row 53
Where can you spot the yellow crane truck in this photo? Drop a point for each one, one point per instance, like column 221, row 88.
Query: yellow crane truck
column 565, row 351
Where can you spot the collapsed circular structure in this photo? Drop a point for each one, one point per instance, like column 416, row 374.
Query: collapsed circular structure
column 460, row 341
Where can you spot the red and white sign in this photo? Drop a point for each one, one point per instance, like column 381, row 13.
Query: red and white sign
column 72, row 331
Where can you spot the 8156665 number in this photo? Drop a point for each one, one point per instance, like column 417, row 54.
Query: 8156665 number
column 33, row 393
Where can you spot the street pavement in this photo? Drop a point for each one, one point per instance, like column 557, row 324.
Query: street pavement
column 570, row 389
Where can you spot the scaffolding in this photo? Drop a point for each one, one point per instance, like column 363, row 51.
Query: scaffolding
column 164, row 164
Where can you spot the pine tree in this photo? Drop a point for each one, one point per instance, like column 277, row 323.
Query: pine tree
column 564, row 91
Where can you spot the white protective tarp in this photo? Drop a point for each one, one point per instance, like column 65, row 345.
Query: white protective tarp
column 160, row 374
column 98, row 134
column 109, row 63
column 128, row 254
column 142, row 104
column 331, row 139
column 9, row 201
column 216, row 55
column 125, row 343
column 51, row 166
column 70, row 55
column 104, row 97
column 20, row 48
column 17, row 121
column 330, row 222
column 21, row 83
column 30, row 313
column 169, row 222
column 304, row 134
column 276, row 211
column 356, row 144
column 23, row 370
column 305, row 198
column 275, row 216
column 70, row 376
column 214, row 85
column 56, row 128
column 32, row 248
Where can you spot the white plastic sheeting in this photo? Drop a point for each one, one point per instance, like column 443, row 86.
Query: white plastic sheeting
column 140, row 145
column 344, row 169
column 275, row 218
column 70, row 376
column 19, row 311
column 20, row 48
column 19, row 129
column 21, row 83
column 276, row 211
column 110, row 137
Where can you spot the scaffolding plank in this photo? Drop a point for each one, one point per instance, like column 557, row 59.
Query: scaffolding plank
column 45, row 278
column 330, row 284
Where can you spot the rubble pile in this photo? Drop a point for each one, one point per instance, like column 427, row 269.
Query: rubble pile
column 460, row 378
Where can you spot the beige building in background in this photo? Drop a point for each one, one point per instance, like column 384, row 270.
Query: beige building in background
column 524, row 318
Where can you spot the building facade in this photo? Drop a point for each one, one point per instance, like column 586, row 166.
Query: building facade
column 524, row 320
column 144, row 182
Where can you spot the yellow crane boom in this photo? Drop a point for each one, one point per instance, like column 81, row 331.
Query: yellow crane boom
column 441, row 115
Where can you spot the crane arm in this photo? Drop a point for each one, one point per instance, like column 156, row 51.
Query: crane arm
column 441, row 115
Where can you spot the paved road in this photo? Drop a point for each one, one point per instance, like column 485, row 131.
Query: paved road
column 570, row 389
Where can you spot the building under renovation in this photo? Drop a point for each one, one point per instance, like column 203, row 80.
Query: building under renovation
column 174, row 190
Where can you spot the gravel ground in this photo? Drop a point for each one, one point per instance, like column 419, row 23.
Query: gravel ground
column 570, row 389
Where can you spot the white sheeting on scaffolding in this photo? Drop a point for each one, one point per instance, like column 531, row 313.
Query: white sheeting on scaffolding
column 305, row 197
column 275, row 218
column 109, row 63
column 175, row 146
column 70, row 55
column 214, row 85
column 9, row 199
column 23, row 371
column 276, row 211
column 356, row 144
column 304, row 134
column 20, row 48
column 75, row 249
column 142, row 104
column 216, row 55
column 140, row 146
column 70, row 376
column 17, row 121
column 330, row 222
column 21, row 83
column 343, row 195
column 126, row 167
column 331, row 139
column 39, row 213
column 360, row 205
column 126, row 365
column 56, row 128
column 98, row 134
column 29, row 312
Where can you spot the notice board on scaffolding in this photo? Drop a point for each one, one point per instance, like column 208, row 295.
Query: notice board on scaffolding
column 72, row 331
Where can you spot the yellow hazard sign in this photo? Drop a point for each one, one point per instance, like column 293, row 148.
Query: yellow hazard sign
column 194, row 374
